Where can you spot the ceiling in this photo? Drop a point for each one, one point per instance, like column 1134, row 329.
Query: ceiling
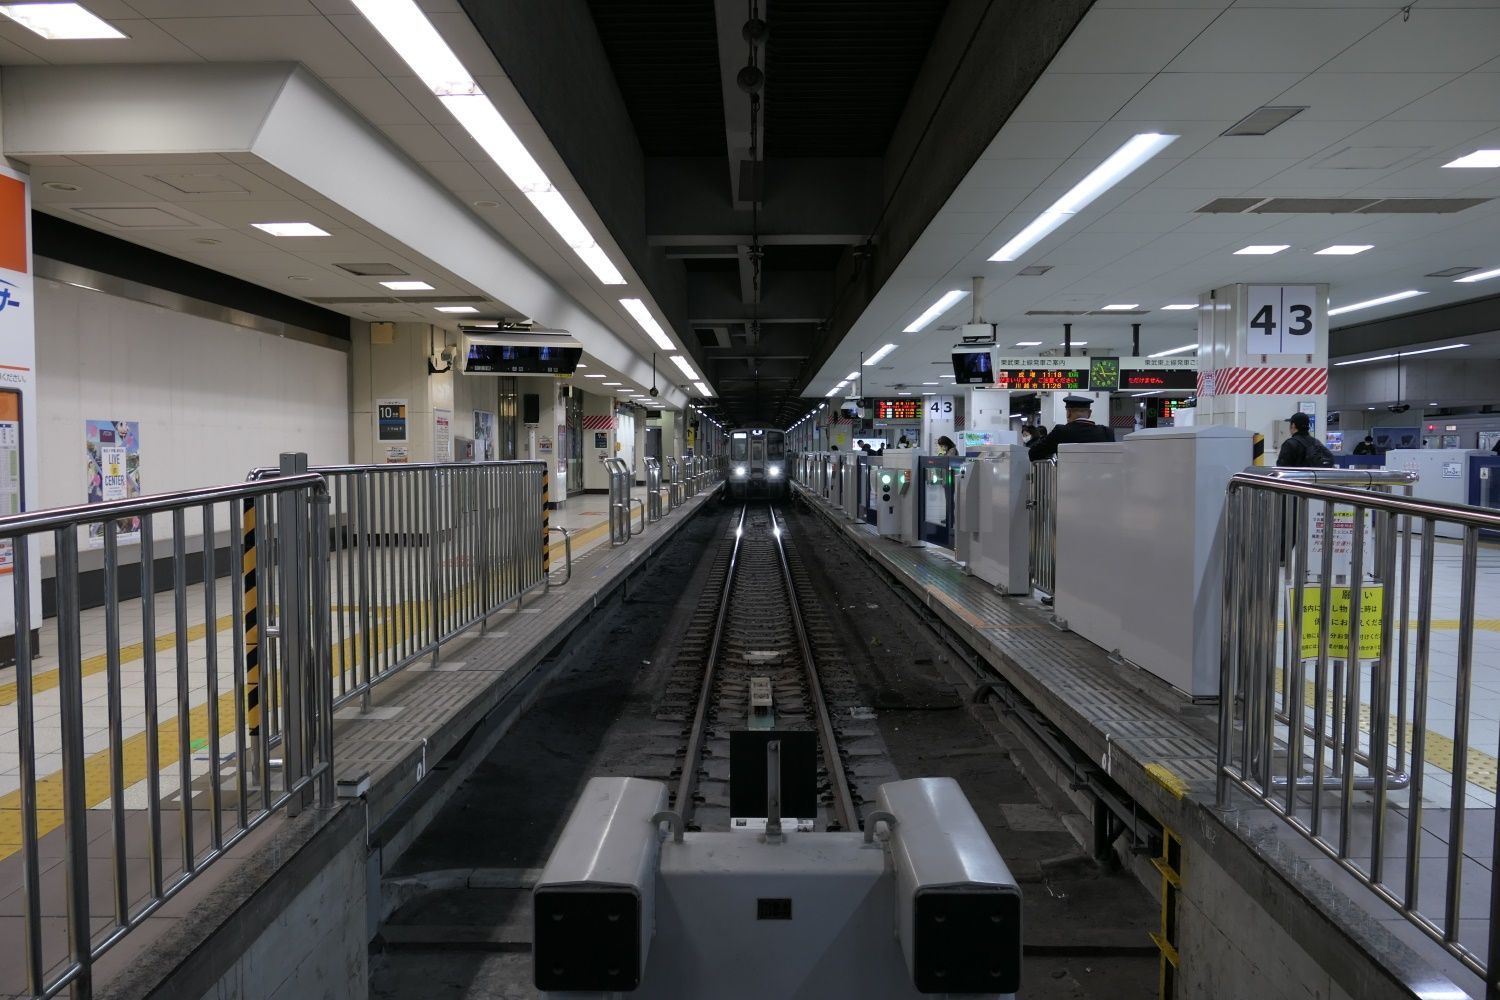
column 335, row 43
column 1388, row 100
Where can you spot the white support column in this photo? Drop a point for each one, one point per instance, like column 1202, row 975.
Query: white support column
column 1262, row 356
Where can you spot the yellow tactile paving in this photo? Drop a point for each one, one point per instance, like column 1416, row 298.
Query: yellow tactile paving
column 47, row 679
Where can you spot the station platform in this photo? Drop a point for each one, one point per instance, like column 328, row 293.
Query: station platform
column 478, row 682
column 1160, row 748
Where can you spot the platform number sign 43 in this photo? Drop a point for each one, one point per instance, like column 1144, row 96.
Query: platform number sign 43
column 1281, row 319
column 941, row 406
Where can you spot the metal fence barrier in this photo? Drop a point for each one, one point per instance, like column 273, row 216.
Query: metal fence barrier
column 1348, row 689
column 201, row 714
column 653, row 490
column 1041, row 501
column 675, row 497
column 419, row 554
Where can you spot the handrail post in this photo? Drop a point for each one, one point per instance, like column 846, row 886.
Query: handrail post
column 291, row 564
column 322, row 632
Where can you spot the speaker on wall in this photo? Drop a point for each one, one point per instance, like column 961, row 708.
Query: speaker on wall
column 531, row 408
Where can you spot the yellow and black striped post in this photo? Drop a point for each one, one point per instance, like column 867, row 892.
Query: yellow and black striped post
column 1169, row 863
column 1258, row 449
column 251, row 625
column 546, row 522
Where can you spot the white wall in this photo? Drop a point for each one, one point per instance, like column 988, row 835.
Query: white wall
column 213, row 400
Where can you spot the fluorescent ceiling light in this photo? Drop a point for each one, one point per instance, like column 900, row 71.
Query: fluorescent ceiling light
column 1399, row 354
column 947, row 376
column 614, row 383
column 1075, row 343
column 1120, row 307
column 60, row 21
column 929, row 394
column 1345, row 249
column 407, row 286
column 935, row 310
column 642, row 315
column 1483, row 158
column 851, row 376
column 1481, row 276
column 480, row 119
column 1178, row 306
column 903, row 394
column 1176, row 350
column 1028, row 343
column 596, row 260
column 932, row 383
column 406, row 29
column 596, row 376
column 457, row 309
column 1120, row 164
column 1368, row 303
column 684, row 367
column 834, row 391
column 289, row 228
column 703, row 390
column 580, row 365
column 1260, row 250
column 879, row 355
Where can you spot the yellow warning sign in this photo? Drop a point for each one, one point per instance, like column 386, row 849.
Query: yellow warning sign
column 1371, row 599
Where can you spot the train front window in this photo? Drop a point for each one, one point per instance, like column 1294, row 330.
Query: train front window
column 739, row 447
column 775, row 449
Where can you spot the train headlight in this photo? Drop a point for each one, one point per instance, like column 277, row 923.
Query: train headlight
column 739, row 470
column 774, row 471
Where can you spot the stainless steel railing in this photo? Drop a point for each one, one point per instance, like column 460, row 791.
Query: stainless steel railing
column 653, row 490
column 1041, row 501
column 1349, row 688
column 178, row 766
column 420, row 554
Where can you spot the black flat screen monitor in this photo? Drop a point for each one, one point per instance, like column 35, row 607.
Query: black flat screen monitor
column 973, row 368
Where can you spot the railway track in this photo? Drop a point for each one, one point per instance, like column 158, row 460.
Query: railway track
column 753, row 636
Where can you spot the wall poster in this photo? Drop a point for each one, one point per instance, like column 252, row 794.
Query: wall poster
column 484, row 436
column 442, row 435
column 18, row 410
column 112, row 452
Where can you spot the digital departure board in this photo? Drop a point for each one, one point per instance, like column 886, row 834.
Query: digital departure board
column 898, row 409
column 1171, row 379
column 1041, row 379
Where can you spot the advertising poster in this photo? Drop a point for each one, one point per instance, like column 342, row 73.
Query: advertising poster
column 484, row 436
column 112, row 454
column 18, row 413
column 390, row 420
column 442, row 435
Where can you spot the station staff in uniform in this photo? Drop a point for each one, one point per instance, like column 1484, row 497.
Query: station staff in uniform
column 1078, row 430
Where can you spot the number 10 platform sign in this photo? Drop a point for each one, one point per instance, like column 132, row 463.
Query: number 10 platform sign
column 1280, row 319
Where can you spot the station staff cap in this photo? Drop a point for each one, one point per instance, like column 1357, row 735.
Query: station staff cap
column 1077, row 401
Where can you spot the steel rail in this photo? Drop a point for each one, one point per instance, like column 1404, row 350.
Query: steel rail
column 843, row 798
column 688, row 778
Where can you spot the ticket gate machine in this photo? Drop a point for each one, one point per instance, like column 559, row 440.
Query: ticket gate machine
column 992, row 523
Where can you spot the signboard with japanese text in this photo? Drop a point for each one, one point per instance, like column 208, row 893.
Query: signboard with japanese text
column 18, row 420
column 1340, row 621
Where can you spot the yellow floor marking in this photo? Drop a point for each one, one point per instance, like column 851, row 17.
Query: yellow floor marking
column 580, row 538
column 47, row 679
column 1480, row 769
column 1167, row 779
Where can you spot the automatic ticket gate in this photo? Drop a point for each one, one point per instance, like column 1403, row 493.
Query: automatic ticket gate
column 992, row 529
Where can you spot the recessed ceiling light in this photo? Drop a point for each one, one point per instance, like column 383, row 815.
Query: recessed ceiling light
column 596, row 376
column 59, row 186
column 1120, row 164
column 942, row 305
column 1481, row 276
column 614, row 383
column 289, row 228
column 879, row 355
column 456, row 309
column 1345, row 249
column 932, row 383
column 1028, row 343
column 1262, row 250
column 1075, row 343
column 1482, row 158
column 407, row 286
column 1120, row 307
column 642, row 315
column 580, row 365
column 704, row 390
column 1369, row 303
column 1178, row 306
column 1176, row 350
column 683, row 366
column 60, row 21
column 947, row 376
column 1399, row 354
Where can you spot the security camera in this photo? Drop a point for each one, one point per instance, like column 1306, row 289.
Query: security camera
column 654, row 391
column 1399, row 407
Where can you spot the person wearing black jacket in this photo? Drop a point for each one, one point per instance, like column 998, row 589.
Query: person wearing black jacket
column 1078, row 430
column 1302, row 450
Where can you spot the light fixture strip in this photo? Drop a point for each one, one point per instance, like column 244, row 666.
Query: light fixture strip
column 1176, row 350
column 879, row 355
column 932, row 312
column 683, row 366
column 1120, row 164
column 642, row 315
column 1481, row 276
column 1370, row 303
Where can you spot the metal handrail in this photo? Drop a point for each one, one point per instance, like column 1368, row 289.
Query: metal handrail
column 1286, row 557
column 567, row 555
column 1334, row 476
column 629, row 502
